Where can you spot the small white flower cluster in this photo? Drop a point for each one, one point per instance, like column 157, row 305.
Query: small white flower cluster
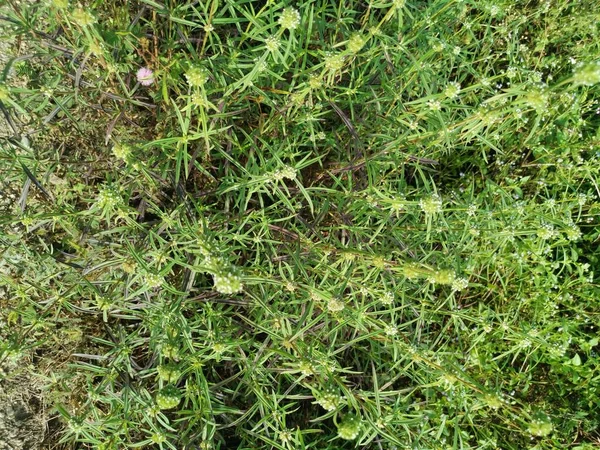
column 169, row 372
column 108, row 198
column 196, row 76
column 391, row 330
column 438, row 46
column 557, row 350
column 285, row 436
column 349, row 428
column 334, row 62
column 494, row 10
column 387, row 298
column 434, row 105
column 397, row 204
column 329, row 400
column 306, row 368
column 511, row 72
column 168, row 398
column 460, row 284
column 546, row 232
column 445, row 277
column 524, row 343
column 286, row 172
column 452, row 90
column 227, row 283
column 356, row 43
column 431, row 205
column 573, row 232
column 335, row 305
column 289, row 19
column 121, row 151
column 153, row 280
column 539, row 427
column 272, row 43
column 587, row 75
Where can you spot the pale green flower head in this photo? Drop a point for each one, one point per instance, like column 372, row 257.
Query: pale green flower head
column 285, row 436
column 335, row 305
column 356, row 43
column 573, row 233
column 434, row 105
column 169, row 373
column 431, row 205
column 460, row 284
column 108, row 198
column 272, row 43
column 587, row 75
column 170, row 351
column 540, row 425
column 168, row 398
column 3, row 93
column 452, row 90
column 443, row 277
column 334, row 62
column 152, row 280
column 121, row 151
column 227, row 283
column 546, row 232
column 159, row 438
column 387, row 298
column 82, row 17
column 329, row 400
column 349, row 428
column 289, row 19
column 196, row 76
column 315, row 82
column 412, row 271
column 537, row 99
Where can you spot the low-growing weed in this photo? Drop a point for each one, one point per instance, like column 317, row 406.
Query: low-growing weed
column 249, row 224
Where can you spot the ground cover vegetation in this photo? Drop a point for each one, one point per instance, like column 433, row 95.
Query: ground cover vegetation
column 314, row 225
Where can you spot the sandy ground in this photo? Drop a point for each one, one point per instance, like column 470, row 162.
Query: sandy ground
column 22, row 422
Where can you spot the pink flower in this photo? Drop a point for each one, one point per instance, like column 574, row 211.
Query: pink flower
column 145, row 76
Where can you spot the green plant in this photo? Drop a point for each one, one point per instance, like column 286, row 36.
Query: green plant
column 314, row 225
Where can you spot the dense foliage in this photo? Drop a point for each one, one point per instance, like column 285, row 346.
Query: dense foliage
column 250, row 224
